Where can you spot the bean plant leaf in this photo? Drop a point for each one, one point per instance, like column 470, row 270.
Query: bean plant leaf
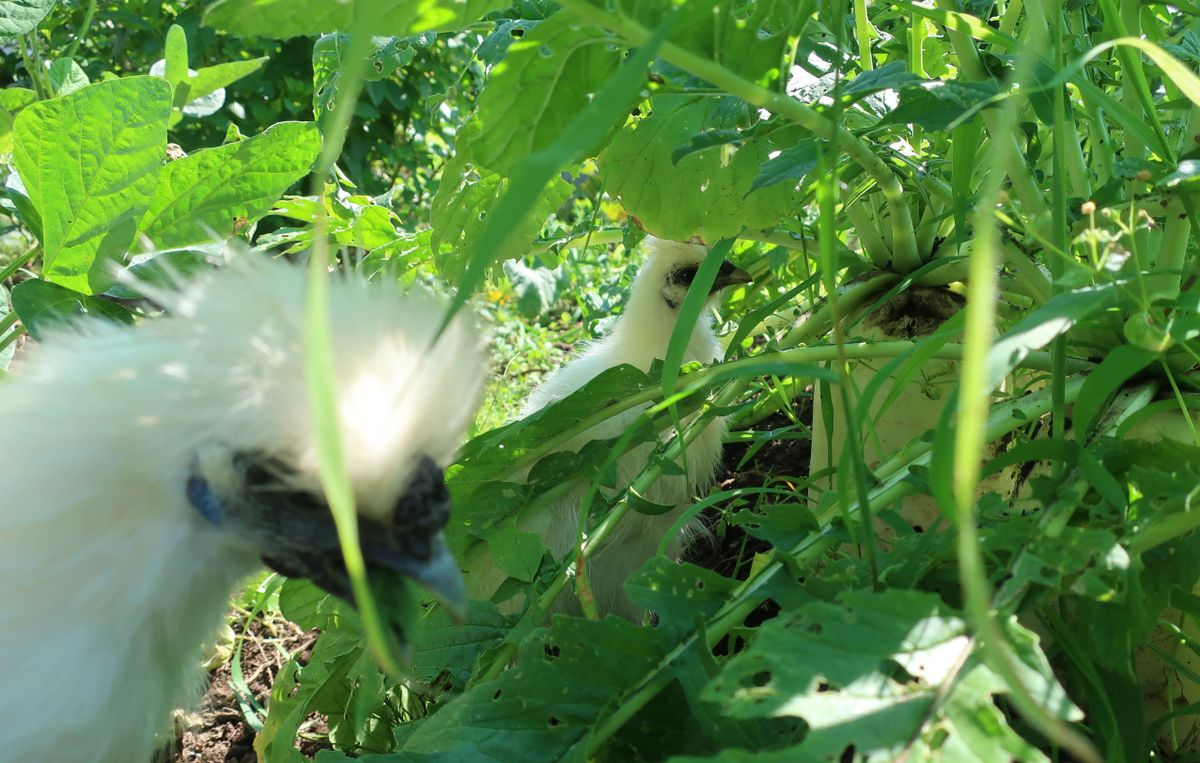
column 706, row 194
column 41, row 304
column 20, row 16
column 66, row 77
column 387, row 54
column 293, row 18
column 90, row 162
column 212, row 192
column 546, row 78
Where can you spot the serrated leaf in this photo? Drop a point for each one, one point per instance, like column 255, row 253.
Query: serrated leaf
column 214, row 191
column 637, row 169
column 90, row 162
column 386, row 55
column 393, row 18
column 41, row 305
column 20, row 16
column 444, row 645
column 548, row 76
column 940, row 104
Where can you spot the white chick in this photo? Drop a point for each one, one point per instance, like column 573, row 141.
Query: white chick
column 639, row 336
column 150, row 468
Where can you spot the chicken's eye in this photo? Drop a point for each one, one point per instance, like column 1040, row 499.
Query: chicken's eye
column 683, row 276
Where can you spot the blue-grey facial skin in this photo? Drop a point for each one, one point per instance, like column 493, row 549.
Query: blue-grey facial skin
column 294, row 532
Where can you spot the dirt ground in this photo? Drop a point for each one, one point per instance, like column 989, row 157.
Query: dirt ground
column 216, row 732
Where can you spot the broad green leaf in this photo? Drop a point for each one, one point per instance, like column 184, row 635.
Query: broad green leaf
column 67, row 77
column 791, row 165
column 41, row 305
column 213, row 192
column 13, row 99
column 90, row 162
column 392, row 18
column 748, row 39
column 465, row 201
column 532, row 95
column 707, row 194
column 941, row 104
column 20, row 16
column 546, row 704
column 443, row 645
column 835, row 667
column 891, row 76
column 517, row 553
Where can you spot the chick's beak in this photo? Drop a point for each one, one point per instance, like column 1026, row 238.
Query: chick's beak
column 729, row 275
column 296, row 536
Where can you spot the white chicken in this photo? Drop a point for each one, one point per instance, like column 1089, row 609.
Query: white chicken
column 639, row 336
column 150, row 468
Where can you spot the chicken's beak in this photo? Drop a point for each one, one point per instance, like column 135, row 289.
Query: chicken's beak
column 436, row 570
column 729, row 275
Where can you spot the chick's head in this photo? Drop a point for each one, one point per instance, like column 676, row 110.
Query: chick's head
column 671, row 267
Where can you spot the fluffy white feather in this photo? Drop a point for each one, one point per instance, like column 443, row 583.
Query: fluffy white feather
column 112, row 579
column 639, row 336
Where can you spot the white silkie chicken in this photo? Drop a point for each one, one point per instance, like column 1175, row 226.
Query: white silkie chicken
column 639, row 336
column 151, row 468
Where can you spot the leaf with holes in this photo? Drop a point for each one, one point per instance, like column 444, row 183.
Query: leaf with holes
column 546, row 78
column 892, row 673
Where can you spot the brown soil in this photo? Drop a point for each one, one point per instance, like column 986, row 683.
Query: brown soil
column 216, row 731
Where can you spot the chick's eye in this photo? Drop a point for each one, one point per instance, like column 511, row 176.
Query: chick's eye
column 683, row 276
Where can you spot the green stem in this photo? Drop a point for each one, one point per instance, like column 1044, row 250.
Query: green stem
column 88, row 14
column 29, row 55
column 868, row 234
column 856, row 149
column 862, row 31
column 12, row 335
column 18, row 263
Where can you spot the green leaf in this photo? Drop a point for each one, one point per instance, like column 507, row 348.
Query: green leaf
column 1117, row 367
column 13, row 99
column 791, row 165
column 637, row 168
column 941, row 104
column 889, row 673
column 176, row 57
column 546, row 79
column 516, row 552
column 210, row 79
column 890, row 76
column 90, row 162
column 67, row 77
column 20, row 16
column 466, row 200
column 213, row 192
column 387, row 54
column 41, row 305
column 545, row 706
column 393, row 18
